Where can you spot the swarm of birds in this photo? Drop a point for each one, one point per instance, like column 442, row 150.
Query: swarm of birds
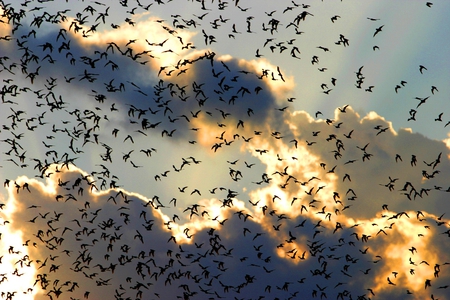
column 80, row 122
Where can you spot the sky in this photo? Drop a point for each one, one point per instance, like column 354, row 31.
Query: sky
column 224, row 149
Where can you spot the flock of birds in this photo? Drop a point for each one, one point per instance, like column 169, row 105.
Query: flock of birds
column 94, row 239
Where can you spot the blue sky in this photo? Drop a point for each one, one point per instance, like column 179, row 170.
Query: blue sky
column 208, row 149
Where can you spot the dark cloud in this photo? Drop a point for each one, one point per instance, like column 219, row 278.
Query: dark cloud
column 115, row 242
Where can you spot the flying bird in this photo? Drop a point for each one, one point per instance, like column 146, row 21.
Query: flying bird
column 378, row 30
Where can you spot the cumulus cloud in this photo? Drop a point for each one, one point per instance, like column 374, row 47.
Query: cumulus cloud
column 309, row 222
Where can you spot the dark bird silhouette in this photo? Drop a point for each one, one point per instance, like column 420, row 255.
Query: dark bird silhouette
column 378, row 30
column 334, row 18
column 421, row 68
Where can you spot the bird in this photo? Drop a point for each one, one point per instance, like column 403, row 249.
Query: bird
column 421, row 68
column 334, row 18
column 434, row 89
column 369, row 89
column 378, row 30
column 390, row 282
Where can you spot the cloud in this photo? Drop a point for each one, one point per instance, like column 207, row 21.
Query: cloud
column 353, row 162
column 93, row 239
column 102, row 64
column 148, row 36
